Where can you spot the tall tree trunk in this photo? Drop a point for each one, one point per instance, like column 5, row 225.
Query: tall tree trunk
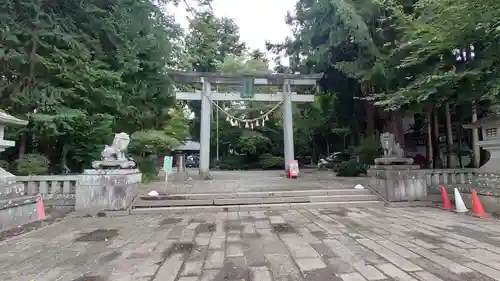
column 460, row 134
column 370, row 118
column 369, row 109
column 399, row 127
column 449, row 137
column 430, row 154
column 437, row 158
column 475, row 138
column 22, row 145
column 395, row 126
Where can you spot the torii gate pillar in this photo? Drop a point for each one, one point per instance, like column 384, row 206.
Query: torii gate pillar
column 288, row 123
column 206, row 120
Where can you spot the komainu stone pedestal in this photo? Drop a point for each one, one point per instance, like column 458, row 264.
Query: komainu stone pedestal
column 398, row 182
column 107, row 190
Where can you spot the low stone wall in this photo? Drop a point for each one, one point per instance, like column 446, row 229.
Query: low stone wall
column 487, row 186
column 449, row 178
column 17, row 211
column 57, row 190
column 18, row 197
column 399, row 183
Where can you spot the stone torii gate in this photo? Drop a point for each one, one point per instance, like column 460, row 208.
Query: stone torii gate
column 207, row 96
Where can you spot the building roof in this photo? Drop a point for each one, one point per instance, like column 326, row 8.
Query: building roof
column 190, row 145
column 486, row 121
column 7, row 119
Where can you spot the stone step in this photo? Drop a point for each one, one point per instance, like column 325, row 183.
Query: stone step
column 256, row 207
column 251, row 200
column 340, row 198
column 263, row 194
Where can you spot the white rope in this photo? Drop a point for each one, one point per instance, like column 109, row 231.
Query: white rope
column 248, row 122
column 263, row 116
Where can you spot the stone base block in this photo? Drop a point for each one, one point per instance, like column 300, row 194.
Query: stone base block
column 17, row 211
column 107, row 190
column 398, row 183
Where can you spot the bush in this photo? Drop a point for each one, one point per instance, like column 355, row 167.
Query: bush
column 143, row 143
column 148, row 167
column 237, row 162
column 4, row 165
column 369, row 149
column 32, row 164
column 272, row 163
column 350, row 168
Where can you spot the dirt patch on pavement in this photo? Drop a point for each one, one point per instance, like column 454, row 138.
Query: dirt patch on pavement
column 283, row 228
column 234, row 271
column 233, row 225
column 170, row 221
column 205, row 228
column 98, row 235
column 178, row 248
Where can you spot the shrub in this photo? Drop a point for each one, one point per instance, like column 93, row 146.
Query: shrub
column 368, row 150
column 350, row 168
column 266, row 155
column 143, row 143
column 148, row 167
column 272, row 163
column 237, row 162
column 4, row 165
column 32, row 164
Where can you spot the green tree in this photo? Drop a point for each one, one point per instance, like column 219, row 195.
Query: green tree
column 80, row 70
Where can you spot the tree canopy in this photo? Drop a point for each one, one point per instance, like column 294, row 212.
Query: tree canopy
column 80, row 71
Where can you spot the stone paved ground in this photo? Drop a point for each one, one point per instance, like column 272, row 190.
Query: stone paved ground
column 244, row 181
column 312, row 244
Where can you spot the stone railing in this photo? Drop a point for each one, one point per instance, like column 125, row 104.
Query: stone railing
column 18, row 196
column 450, row 178
column 56, row 189
column 46, row 185
column 404, row 183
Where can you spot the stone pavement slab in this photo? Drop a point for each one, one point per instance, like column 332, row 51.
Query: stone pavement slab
column 349, row 244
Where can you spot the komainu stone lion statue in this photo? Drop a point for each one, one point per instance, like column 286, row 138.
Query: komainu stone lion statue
column 387, row 141
column 393, row 152
column 117, row 149
column 114, row 155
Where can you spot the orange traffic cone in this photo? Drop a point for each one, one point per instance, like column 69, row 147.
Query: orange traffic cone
column 446, row 200
column 477, row 207
column 40, row 208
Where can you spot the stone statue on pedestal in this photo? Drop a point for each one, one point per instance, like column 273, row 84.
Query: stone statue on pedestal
column 112, row 184
column 394, row 176
column 114, row 156
column 393, row 153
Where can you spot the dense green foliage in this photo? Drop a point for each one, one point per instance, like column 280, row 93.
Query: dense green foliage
column 80, row 71
column 399, row 56
column 351, row 168
column 31, row 164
